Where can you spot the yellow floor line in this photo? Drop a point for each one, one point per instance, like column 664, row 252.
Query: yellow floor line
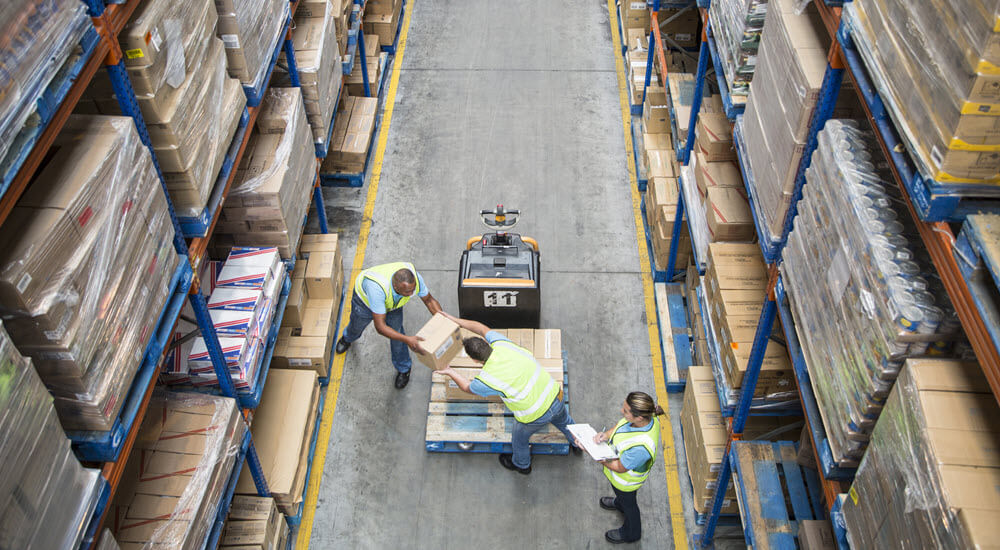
column 316, row 475
column 666, row 428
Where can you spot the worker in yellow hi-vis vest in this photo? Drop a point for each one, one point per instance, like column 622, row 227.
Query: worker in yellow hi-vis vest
column 636, row 439
column 512, row 373
column 380, row 292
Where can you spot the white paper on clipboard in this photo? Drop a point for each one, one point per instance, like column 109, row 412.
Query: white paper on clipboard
column 585, row 433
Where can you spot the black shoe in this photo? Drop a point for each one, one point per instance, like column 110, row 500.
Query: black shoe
column 402, row 379
column 614, row 537
column 576, row 450
column 342, row 345
column 608, row 503
column 507, row 461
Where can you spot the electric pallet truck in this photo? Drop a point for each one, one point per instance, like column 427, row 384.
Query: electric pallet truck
column 499, row 275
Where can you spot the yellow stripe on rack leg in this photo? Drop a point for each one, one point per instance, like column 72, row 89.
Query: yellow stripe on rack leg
column 666, row 428
column 336, row 373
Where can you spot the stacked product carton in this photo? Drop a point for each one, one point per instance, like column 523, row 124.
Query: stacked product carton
column 270, row 197
column 282, row 430
column 86, row 259
column 251, row 31
column 47, row 496
column 721, row 194
column 931, row 476
column 864, row 292
column 737, row 26
column 352, row 135
column 184, row 455
column 661, row 210
column 734, row 291
column 317, row 57
column 242, row 305
column 372, row 57
column 382, row 21
column 937, row 70
column 39, row 37
column 254, row 523
column 308, row 327
column 679, row 25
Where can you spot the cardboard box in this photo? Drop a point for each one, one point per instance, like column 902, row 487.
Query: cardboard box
column 321, row 275
column 319, row 317
column 253, row 523
column 714, row 137
column 662, row 164
column 635, row 14
column 442, row 341
column 728, row 215
column 655, row 112
column 716, row 174
column 297, row 297
column 302, row 353
column 548, row 344
column 816, row 535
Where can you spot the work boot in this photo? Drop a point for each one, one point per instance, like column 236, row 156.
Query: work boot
column 608, row 503
column 342, row 345
column 402, row 379
column 614, row 536
column 507, row 461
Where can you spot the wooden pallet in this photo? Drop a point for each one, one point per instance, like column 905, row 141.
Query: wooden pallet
column 477, row 425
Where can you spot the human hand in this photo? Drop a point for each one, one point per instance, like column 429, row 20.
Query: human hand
column 600, row 437
column 414, row 343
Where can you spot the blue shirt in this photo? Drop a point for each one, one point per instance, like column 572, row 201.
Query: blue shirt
column 376, row 296
column 477, row 386
column 636, row 457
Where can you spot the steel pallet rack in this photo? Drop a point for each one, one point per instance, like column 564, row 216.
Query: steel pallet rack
column 100, row 48
column 960, row 264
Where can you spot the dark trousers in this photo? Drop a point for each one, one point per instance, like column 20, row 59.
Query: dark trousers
column 625, row 501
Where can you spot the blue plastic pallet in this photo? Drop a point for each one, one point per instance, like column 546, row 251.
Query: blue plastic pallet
column 212, row 541
column 105, row 446
column 932, row 200
column 977, row 253
column 732, row 109
column 758, row 406
column 46, row 106
column 296, row 520
column 814, row 420
column 391, row 49
column 768, row 479
column 255, row 94
column 323, row 147
column 769, row 248
column 357, row 179
column 198, row 226
column 475, row 416
column 676, row 335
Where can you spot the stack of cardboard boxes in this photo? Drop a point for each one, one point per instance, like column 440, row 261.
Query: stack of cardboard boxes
column 372, row 57
column 734, row 288
column 270, row 198
column 251, row 30
column 254, row 523
column 307, row 332
column 679, row 25
column 705, row 435
column 184, row 454
column 282, row 430
column 86, row 259
column 931, row 475
column 720, row 185
column 339, row 10
column 382, row 21
column 352, row 135
column 317, row 57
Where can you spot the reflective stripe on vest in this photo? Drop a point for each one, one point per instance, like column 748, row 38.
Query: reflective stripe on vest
column 382, row 276
column 631, row 480
column 526, row 389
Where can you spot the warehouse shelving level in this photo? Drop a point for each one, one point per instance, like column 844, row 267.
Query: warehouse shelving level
column 675, row 335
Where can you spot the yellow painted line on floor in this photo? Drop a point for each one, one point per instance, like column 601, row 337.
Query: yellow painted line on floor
column 653, row 330
column 332, row 391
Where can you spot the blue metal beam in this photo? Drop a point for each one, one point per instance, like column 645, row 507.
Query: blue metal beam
column 364, row 59
column 320, row 209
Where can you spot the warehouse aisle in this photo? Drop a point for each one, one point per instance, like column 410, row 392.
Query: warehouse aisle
column 513, row 102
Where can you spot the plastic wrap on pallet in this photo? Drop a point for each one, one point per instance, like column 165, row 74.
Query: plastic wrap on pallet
column 937, row 67
column 85, row 265
column 931, row 476
column 320, row 72
column 183, row 457
column 48, row 496
column 737, row 25
column 39, row 35
column 251, row 30
column 865, row 293
column 271, row 194
column 790, row 68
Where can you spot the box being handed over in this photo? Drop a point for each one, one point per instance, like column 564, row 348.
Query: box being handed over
column 442, row 341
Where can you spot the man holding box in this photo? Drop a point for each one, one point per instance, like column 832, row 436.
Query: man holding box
column 380, row 292
column 512, row 372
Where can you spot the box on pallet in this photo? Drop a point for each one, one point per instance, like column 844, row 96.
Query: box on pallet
column 250, row 29
column 352, row 135
column 382, row 20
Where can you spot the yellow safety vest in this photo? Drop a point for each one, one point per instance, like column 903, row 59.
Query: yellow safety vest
column 382, row 275
column 649, row 438
column 526, row 389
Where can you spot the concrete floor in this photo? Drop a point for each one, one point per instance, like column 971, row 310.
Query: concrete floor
column 512, row 101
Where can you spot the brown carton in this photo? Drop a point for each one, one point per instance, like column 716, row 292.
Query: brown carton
column 716, row 174
column 442, row 341
column 297, row 297
column 302, row 353
column 714, row 137
column 728, row 215
column 321, row 275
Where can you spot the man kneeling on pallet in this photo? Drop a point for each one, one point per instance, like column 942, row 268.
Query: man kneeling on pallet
column 512, row 373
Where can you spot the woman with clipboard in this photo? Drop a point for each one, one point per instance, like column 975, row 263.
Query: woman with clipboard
column 636, row 439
